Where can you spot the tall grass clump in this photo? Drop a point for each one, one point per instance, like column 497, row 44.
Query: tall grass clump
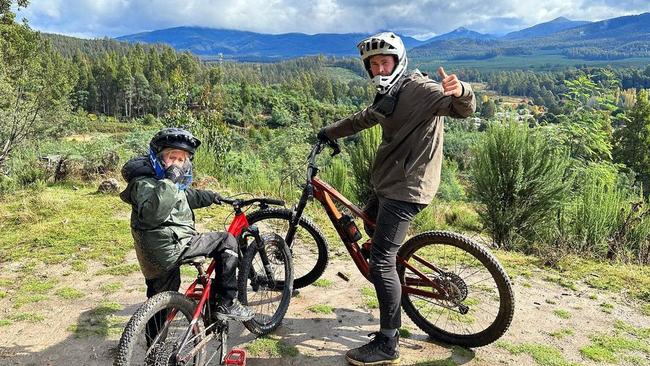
column 362, row 157
column 594, row 214
column 519, row 178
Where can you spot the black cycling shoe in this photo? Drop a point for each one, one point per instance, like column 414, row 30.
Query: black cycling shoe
column 381, row 350
column 234, row 311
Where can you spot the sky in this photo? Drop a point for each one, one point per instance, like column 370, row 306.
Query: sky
column 419, row 18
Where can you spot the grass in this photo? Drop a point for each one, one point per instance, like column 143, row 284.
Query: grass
column 6, row 283
column 562, row 333
column 613, row 347
column 271, row 347
column 62, row 225
column 38, row 286
column 645, row 309
column 69, row 293
column 321, row 309
column 369, row 297
column 79, row 266
column 517, row 264
column 323, row 282
column 120, row 270
column 562, row 281
column 100, row 321
column 106, row 308
column 111, row 287
column 404, row 333
column 606, row 307
column 5, row 322
column 631, row 279
column 562, row 314
column 23, row 299
column 27, row 317
column 543, row 354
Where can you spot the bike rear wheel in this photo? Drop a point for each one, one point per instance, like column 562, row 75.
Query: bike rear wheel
column 148, row 340
column 268, row 285
column 479, row 304
column 308, row 247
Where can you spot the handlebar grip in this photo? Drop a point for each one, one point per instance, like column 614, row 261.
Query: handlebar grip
column 272, row 201
column 227, row 200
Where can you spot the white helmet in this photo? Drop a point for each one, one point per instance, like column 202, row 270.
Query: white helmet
column 385, row 43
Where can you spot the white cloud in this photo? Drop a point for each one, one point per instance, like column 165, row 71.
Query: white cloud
column 417, row 17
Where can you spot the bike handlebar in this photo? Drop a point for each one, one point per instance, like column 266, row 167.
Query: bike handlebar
column 236, row 202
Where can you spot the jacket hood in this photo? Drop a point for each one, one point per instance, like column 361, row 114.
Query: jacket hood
column 139, row 166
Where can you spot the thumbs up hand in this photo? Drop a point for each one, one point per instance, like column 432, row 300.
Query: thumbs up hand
column 450, row 83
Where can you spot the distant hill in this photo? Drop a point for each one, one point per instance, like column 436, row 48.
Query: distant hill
column 616, row 38
column 233, row 43
column 544, row 29
column 461, row 32
column 627, row 27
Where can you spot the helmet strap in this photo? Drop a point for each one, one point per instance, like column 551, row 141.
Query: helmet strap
column 156, row 163
column 384, row 104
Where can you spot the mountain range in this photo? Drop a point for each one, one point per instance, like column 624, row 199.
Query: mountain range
column 627, row 36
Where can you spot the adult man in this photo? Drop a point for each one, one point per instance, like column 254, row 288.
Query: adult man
column 406, row 170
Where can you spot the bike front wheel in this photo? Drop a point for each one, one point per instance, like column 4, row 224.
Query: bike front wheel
column 476, row 305
column 156, row 330
column 265, row 283
column 308, row 246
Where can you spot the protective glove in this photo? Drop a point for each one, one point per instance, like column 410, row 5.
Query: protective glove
column 216, row 198
column 322, row 136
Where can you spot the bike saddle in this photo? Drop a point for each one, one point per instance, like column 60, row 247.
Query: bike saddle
column 199, row 259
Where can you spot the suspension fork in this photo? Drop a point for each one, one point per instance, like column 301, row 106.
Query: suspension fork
column 260, row 246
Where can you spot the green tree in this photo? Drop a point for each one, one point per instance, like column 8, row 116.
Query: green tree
column 632, row 141
column 34, row 84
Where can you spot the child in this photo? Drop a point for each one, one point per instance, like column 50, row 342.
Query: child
column 162, row 221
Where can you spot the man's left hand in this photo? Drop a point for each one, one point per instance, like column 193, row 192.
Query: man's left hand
column 450, row 83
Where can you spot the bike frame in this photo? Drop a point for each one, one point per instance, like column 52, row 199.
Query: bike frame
column 239, row 228
column 328, row 196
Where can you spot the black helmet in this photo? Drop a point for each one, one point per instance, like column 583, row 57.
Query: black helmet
column 177, row 138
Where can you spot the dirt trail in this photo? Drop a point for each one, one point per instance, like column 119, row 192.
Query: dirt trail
column 320, row 339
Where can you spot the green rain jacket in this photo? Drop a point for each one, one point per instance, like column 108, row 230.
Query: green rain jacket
column 162, row 221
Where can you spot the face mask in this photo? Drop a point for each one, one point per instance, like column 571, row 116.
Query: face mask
column 186, row 177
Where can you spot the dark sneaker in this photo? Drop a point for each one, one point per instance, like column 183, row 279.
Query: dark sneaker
column 381, row 350
column 236, row 311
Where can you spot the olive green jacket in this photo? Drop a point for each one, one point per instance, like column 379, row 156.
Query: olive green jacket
column 409, row 159
column 162, row 221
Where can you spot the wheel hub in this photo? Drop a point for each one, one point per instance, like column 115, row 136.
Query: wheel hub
column 455, row 286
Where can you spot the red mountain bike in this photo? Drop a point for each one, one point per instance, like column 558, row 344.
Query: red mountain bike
column 176, row 329
column 452, row 288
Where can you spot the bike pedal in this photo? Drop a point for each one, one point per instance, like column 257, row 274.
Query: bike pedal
column 236, row 356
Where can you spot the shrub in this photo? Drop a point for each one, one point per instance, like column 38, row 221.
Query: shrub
column 450, row 187
column 519, row 178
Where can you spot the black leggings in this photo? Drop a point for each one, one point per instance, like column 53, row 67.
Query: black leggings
column 220, row 246
column 393, row 219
